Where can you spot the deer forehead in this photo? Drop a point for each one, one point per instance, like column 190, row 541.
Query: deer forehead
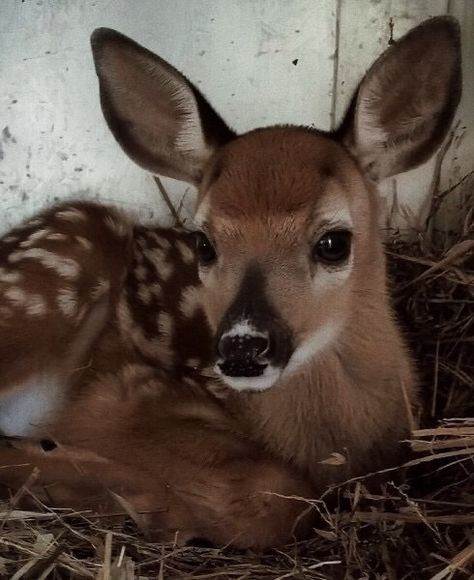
column 288, row 182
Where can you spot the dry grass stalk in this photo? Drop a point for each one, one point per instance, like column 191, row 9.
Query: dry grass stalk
column 421, row 529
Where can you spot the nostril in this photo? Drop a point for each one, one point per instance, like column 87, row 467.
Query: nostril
column 259, row 346
column 243, row 346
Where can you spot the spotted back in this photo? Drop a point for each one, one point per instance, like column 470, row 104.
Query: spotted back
column 160, row 308
column 83, row 292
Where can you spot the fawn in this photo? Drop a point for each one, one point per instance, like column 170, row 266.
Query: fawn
column 204, row 377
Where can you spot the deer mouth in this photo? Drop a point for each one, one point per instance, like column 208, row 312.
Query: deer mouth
column 259, row 377
column 241, row 367
column 250, row 356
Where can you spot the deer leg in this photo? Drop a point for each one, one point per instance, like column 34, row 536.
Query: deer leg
column 249, row 503
column 176, row 459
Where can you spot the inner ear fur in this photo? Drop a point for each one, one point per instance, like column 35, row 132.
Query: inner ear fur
column 157, row 116
column 406, row 102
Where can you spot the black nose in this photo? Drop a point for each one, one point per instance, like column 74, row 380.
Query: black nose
column 242, row 355
column 243, row 347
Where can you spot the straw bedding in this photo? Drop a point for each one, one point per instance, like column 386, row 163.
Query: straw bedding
column 421, row 529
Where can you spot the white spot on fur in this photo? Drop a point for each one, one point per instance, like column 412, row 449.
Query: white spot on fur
column 163, row 243
column 192, row 363
column 187, row 254
column 67, row 301
column 10, row 239
column 9, row 277
column 190, row 302
column 117, row 225
column 72, row 214
column 144, row 294
column 33, row 223
column 15, row 295
column 313, row 345
column 35, row 305
column 100, row 289
column 165, row 325
column 85, row 243
column 29, row 406
column 35, row 237
column 166, row 270
column 156, row 289
column 157, row 348
column 157, row 257
column 140, row 273
column 65, row 267
column 56, row 237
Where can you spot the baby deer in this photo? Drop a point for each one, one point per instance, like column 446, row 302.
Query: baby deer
column 112, row 338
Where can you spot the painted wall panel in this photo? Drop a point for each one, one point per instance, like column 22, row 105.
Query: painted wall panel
column 363, row 35
column 259, row 62
column 458, row 166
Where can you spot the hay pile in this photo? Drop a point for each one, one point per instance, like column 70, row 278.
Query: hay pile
column 423, row 529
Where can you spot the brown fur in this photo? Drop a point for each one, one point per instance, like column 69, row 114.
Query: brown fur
column 351, row 405
column 143, row 414
column 186, row 468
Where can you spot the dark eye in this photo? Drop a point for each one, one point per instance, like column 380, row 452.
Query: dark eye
column 333, row 247
column 204, row 249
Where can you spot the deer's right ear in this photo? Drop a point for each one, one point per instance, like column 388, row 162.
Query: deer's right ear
column 158, row 117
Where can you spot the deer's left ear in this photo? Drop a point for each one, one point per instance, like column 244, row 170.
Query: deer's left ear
column 407, row 100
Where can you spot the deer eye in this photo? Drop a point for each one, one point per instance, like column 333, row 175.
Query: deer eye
column 204, row 249
column 333, row 247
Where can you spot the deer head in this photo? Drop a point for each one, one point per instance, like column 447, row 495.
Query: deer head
column 287, row 240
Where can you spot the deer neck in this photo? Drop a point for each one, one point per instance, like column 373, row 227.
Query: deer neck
column 339, row 403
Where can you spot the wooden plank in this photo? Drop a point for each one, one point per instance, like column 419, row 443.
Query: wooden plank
column 259, row 62
column 459, row 161
column 365, row 31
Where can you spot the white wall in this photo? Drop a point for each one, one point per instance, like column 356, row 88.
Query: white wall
column 258, row 61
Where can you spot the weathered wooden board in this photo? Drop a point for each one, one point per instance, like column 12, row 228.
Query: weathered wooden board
column 242, row 54
column 259, row 61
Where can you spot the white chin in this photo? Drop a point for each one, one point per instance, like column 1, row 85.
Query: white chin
column 261, row 383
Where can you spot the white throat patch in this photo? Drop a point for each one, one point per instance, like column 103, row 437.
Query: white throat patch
column 314, row 344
